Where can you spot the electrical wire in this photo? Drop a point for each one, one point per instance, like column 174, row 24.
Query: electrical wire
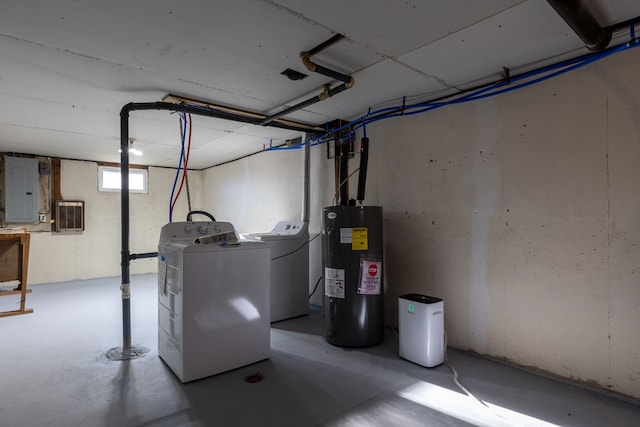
column 463, row 388
column 455, row 374
column 315, row 288
column 296, row 250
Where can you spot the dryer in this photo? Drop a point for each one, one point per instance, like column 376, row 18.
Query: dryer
column 289, row 242
column 213, row 294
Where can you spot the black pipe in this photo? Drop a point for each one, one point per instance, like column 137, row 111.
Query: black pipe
column 362, row 174
column 623, row 25
column 124, row 205
column 322, row 46
column 348, row 81
column 343, row 173
column 126, row 257
column 578, row 16
column 316, row 68
column 333, row 74
column 208, row 112
column 144, row 255
column 321, row 96
column 298, row 106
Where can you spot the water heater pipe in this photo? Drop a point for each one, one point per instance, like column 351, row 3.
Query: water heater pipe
column 362, row 173
column 343, row 173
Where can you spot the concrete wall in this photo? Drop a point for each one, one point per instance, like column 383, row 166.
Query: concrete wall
column 56, row 257
column 522, row 212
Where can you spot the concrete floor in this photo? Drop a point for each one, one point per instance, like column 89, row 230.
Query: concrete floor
column 54, row 372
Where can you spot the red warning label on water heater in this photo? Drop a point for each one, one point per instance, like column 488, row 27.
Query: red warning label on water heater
column 373, row 270
column 370, row 278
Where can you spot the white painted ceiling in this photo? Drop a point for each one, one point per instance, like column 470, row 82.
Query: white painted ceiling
column 67, row 67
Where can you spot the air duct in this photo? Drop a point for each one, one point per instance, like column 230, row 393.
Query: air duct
column 578, row 16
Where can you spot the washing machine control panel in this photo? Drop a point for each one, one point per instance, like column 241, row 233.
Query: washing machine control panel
column 287, row 228
column 188, row 231
column 203, row 229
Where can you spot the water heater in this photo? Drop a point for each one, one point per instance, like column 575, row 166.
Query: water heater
column 352, row 261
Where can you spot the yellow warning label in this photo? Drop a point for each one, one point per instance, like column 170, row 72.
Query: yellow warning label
column 359, row 239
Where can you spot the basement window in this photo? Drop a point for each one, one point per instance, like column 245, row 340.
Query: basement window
column 109, row 180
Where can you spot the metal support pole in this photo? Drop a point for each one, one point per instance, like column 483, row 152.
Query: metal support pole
column 127, row 352
column 124, row 205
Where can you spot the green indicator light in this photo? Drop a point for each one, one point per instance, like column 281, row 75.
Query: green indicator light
column 411, row 308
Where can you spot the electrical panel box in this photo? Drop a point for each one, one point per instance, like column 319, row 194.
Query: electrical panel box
column 69, row 215
column 20, row 190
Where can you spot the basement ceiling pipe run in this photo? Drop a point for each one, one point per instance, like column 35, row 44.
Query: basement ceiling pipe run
column 578, row 16
column 327, row 92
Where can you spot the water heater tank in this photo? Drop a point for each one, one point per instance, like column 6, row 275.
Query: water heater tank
column 354, row 289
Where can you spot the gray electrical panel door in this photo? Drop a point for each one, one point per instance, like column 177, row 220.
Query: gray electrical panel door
column 21, row 190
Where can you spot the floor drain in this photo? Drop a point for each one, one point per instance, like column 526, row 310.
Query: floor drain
column 121, row 353
column 254, row 378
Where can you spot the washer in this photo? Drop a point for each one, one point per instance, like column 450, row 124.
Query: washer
column 213, row 294
column 289, row 242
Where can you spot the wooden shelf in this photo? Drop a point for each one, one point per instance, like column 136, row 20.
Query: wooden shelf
column 17, row 268
column 14, row 292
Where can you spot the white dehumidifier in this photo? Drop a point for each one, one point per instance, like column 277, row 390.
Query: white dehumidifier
column 421, row 324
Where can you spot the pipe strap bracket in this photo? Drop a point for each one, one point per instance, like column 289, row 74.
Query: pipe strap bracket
column 125, row 288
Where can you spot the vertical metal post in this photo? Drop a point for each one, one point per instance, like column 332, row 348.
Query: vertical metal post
column 124, row 197
column 127, row 352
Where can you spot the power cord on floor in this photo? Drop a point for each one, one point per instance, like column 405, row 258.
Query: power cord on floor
column 455, row 373
column 463, row 388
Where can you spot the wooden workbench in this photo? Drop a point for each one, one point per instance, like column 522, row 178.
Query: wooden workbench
column 14, row 265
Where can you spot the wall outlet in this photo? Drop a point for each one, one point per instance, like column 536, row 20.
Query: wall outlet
column 43, row 218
